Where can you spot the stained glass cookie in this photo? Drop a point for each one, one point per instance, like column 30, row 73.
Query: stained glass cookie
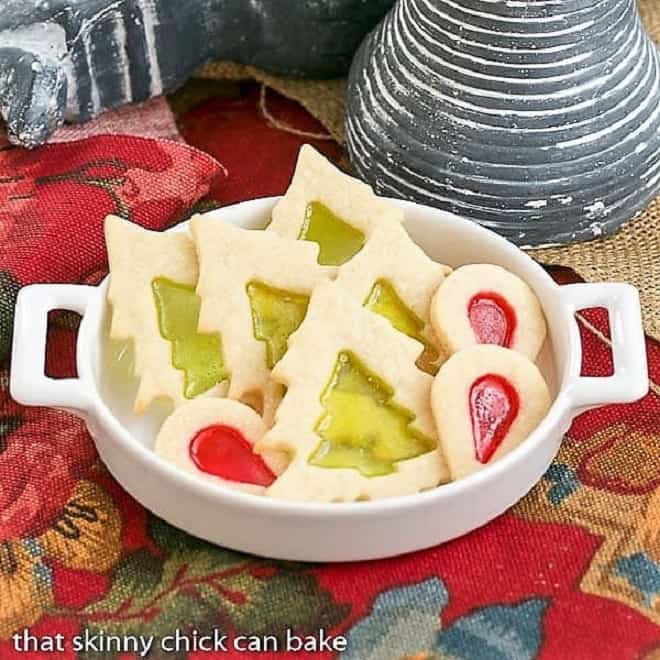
column 254, row 287
column 356, row 418
column 486, row 400
column 154, row 305
column 393, row 277
column 214, row 440
column 330, row 208
column 486, row 304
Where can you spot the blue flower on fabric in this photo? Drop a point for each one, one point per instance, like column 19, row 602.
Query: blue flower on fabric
column 40, row 571
column 496, row 632
column 564, row 480
column 642, row 573
column 405, row 621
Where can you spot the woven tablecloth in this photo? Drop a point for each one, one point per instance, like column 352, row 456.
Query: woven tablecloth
column 572, row 571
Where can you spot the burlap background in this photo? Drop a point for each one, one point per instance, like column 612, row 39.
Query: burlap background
column 631, row 255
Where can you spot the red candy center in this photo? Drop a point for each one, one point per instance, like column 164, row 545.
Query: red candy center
column 494, row 405
column 223, row 451
column 492, row 318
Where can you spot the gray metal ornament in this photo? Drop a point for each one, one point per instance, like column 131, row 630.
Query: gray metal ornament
column 72, row 59
column 539, row 119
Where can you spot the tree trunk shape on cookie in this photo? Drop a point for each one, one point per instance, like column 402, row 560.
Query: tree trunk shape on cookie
column 276, row 315
column 383, row 300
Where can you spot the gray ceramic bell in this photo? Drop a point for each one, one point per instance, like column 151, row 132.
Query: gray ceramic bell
column 540, row 119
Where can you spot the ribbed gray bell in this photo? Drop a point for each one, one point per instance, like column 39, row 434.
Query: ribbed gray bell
column 538, row 119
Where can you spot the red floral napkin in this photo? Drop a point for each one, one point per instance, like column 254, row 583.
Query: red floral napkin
column 53, row 201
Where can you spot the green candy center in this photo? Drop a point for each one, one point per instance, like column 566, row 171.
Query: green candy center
column 199, row 356
column 383, row 300
column 276, row 314
column 338, row 241
column 362, row 428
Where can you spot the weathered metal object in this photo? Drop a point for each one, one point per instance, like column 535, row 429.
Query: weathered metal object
column 72, row 59
column 540, row 120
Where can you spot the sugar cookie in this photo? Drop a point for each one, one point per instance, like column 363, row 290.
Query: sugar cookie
column 331, row 208
column 213, row 439
column 153, row 302
column 486, row 400
column 255, row 287
column 356, row 418
column 486, row 304
column 393, row 277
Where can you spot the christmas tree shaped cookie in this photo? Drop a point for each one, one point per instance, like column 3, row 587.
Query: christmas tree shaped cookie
column 254, row 287
column 393, row 277
column 154, row 305
column 331, row 209
column 197, row 355
column 362, row 427
column 213, row 439
column 276, row 314
column 356, row 416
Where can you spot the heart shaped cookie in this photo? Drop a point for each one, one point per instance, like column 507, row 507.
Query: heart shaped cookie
column 486, row 400
column 214, row 439
column 486, row 304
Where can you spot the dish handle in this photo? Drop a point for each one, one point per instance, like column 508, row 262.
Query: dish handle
column 630, row 381
column 29, row 384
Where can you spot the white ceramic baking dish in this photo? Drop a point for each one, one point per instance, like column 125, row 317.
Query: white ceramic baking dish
column 348, row 531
